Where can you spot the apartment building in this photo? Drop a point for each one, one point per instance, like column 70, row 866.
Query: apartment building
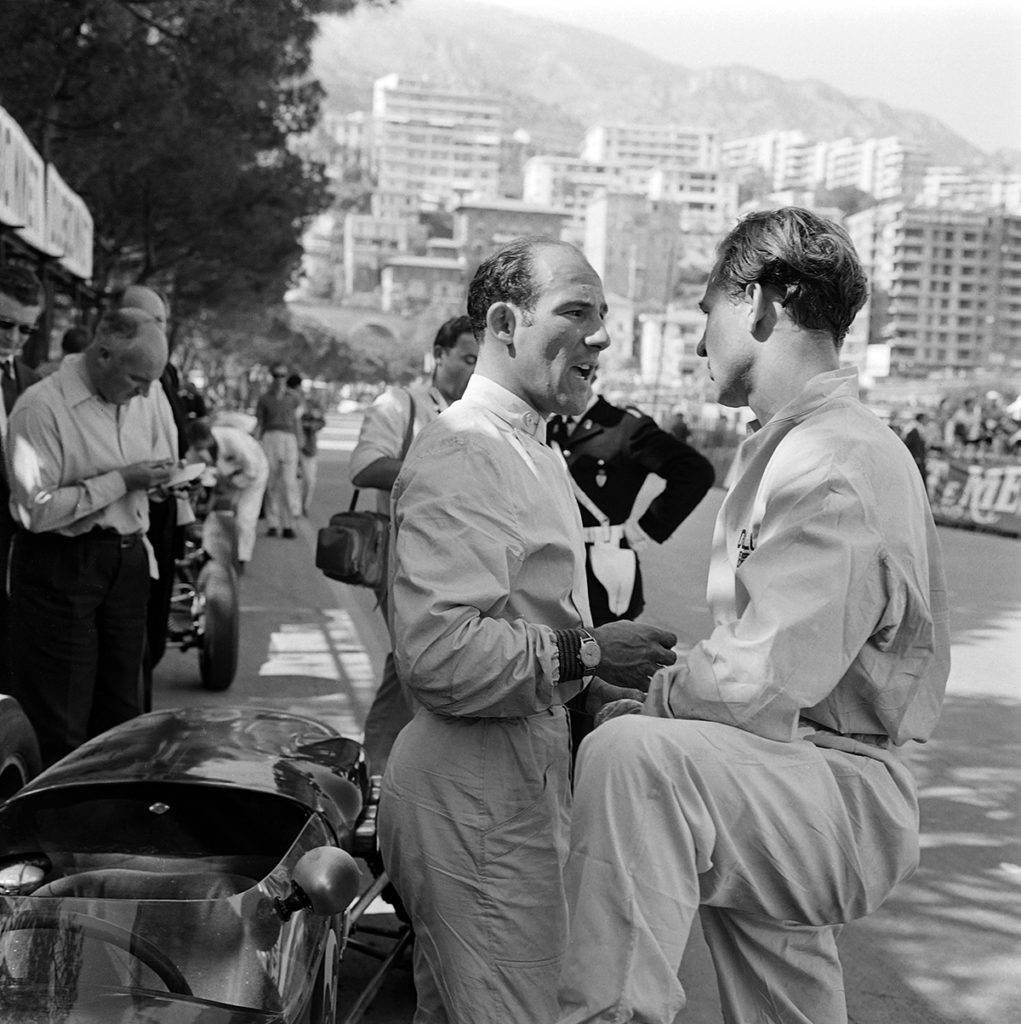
column 482, row 226
column 968, row 190
column 570, row 183
column 652, row 145
column 432, row 146
column 410, row 284
column 368, row 242
column 706, row 200
column 887, row 168
column 945, row 286
column 631, row 242
column 786, row 158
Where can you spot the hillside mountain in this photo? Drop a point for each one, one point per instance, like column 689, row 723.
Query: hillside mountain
column 558, row 79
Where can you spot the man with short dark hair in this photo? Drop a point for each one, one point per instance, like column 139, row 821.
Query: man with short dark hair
column 492, row 635
column 85, row 446
column 761, row 789
column 375, row 463
column 21, row 305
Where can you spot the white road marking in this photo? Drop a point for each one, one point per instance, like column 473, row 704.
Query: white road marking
column 333, row 652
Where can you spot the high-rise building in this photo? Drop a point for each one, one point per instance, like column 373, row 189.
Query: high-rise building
column 652, row 145
column 786, row 159
column 432, row 146
column 569, row 183
column 706, row 200
column 968, row 190
column 945, row 286
column 887, row 168
column 482, row 226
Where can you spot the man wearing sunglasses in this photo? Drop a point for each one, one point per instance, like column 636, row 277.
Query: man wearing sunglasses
column 21, row 304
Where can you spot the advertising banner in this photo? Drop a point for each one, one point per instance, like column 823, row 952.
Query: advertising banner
column 68, row 226
column 22, row 184
column 982, row 494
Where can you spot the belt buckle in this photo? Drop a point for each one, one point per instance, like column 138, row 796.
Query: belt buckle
column 606, row 533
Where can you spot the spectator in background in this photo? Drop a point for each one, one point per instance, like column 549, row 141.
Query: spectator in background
column 21, row 305
column 86, row 445
column 963, row 430
column 610, row 452
column 376, row 461
column 242, row 472
column 278, row 429
column 168, row 512
column 192, row 402
column 311, row 420
column 916, row 440
column 678, row 427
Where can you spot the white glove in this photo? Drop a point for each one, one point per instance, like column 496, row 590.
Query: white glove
column 636, row 537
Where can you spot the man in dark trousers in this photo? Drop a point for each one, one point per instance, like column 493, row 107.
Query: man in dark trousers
column 21, row 303
column 610, row 452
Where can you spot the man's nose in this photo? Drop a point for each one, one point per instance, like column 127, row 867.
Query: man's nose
column 700, row 348
column 601, row 339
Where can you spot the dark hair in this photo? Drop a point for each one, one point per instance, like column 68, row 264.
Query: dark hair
column 808, row 259
column 21, row 284
column 449, row 332
column 75, row 339
column 506, row 276
column 198, row 435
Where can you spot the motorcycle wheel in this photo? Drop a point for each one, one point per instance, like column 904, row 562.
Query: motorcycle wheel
column 217, row 590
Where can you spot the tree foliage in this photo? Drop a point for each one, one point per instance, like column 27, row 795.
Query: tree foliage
column 171, row 119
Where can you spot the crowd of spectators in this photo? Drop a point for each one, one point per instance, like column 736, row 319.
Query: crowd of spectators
column 91, row 627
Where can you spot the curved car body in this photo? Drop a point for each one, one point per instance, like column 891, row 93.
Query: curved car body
column 151, row 874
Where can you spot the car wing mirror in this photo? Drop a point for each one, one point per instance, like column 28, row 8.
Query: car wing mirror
column 326, row 880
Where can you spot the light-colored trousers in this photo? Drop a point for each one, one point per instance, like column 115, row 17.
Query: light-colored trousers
column 473, row 822
column 246, row 513
column 283, row 500
column 775, row 846
column 309, row 466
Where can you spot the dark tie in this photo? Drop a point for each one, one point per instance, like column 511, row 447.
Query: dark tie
column 10, row 386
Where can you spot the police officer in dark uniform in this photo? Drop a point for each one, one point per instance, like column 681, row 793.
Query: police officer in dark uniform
column 610, row 452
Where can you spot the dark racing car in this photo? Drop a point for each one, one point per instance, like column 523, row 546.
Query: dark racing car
column 190, row 866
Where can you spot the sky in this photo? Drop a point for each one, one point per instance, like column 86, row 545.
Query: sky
column 958, row 60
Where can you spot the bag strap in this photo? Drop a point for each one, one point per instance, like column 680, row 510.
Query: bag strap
column 409, row 433
column 583, row 499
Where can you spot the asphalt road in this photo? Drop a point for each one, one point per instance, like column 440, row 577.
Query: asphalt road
column 946, row 949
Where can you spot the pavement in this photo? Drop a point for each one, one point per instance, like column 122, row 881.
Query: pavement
column 945, row 949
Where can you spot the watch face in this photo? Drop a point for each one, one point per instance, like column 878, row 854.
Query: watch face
column 590, row 653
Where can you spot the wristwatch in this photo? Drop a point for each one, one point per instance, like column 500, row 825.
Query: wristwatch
column 589, row 653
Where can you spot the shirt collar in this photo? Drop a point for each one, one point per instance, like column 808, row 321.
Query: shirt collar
column 820, row 388
column 74, row 381
column 507, row 406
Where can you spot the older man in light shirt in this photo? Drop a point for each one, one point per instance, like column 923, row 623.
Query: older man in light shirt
column 85, row 446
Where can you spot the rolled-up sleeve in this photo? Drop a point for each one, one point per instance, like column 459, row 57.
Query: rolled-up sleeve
column 39, row 501
column 382, row 431
column 463, row 645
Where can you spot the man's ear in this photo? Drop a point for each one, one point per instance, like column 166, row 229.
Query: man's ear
column 502, row 320
column 761, row 310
